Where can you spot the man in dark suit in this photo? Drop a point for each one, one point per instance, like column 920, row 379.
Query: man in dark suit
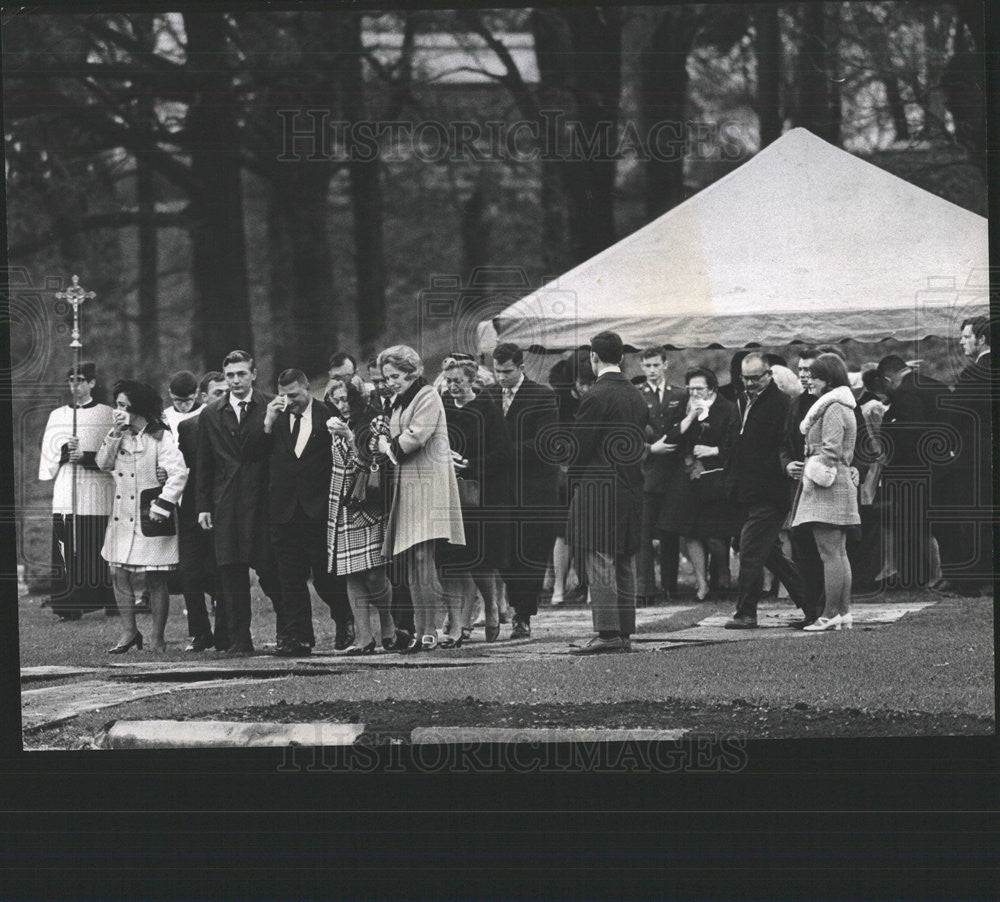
column 197, row 554
column 297, row 442
column 793, row 455
column 666, row 406
column 531, row 416
column 756, row 480
column 919, row 407
column 967, row 559
column 605, row 513
column 231, row 495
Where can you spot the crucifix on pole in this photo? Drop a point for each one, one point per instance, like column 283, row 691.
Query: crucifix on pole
column 75, row 295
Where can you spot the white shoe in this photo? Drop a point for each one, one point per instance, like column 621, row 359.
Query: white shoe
column 823, row 624
column 847, row 621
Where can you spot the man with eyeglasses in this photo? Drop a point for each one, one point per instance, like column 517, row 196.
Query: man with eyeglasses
column 757, row 482
column 82, row 581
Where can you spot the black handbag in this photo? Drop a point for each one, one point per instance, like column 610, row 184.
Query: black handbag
column 151, row 527
column 367, row 489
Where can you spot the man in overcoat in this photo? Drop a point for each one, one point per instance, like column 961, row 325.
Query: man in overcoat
column 531, row 416
column 969, row 565
column 757, row 482
column 605, row 513
column 297, row 442
column 232, row 493
column 197, row 574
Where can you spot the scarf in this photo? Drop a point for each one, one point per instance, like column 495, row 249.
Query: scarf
column 840, row 395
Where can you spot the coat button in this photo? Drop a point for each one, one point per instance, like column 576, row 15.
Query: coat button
column 118, row 497
column 121, row 474
column 132, row 497
column 116, row 518
column 121, row 452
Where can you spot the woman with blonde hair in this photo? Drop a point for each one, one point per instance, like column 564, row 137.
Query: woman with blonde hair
column 425, row 504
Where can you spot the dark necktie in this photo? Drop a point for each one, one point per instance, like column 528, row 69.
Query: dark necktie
column 243, row 410
column 295, row 429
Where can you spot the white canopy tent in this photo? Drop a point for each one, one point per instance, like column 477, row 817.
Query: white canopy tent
column 804, row 242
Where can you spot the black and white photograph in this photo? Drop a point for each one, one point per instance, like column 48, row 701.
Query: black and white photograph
column 561, row 375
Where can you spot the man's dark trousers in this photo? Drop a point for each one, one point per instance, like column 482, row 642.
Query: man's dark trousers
column 759, row 548
column 234, row 605
column 300, row 551
column 805, row 554
column 652, row 502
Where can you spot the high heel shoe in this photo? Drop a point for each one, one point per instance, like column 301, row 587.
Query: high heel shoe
column 822, row 624
column 123, row 647
column 355, row 651
column 451, row 642
column 847, row 621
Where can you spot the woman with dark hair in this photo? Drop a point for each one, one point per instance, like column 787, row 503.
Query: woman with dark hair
column 827, row 498
column 698, row 510
column 141, row 541
column 483, row 456
column 425, row 503
column 356, row 522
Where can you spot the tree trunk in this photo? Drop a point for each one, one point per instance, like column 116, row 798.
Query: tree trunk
column 221, row 302
column 664, row 80
column 769, row 66
column 149, row 255
column 280, row 268
column 554, row 226
column 595, row 81
column 897, row 109
column 819, row 101
column 366, row 201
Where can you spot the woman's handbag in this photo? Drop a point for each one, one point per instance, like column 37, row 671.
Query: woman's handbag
column 367, row 489
column 468, row 492
column 818, row 472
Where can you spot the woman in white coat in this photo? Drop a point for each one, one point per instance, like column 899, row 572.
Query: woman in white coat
column 141, row 541
column 827, row 498
column 425, row 503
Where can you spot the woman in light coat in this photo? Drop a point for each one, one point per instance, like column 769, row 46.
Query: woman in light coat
column 425, row 503
column 830, row 506
column 141, row 542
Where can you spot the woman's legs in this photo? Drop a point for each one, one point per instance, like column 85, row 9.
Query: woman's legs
column 425, row 587
column 831, row 541
column 159, row 603
column 121, row 581
column 365, row 591
column 718, row 551
column 460, row 597
column 696, row 555
column 560, row 568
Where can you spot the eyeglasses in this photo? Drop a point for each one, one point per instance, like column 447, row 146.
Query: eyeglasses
column 752, row 380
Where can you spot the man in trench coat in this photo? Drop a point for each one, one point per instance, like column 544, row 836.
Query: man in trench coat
column 232, row 496
column 605, row 513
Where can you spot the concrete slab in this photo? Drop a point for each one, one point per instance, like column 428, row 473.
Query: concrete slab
column 775, row 622
column 53, row 671
column 192, row 734
column 454, row 735
column 42, row 708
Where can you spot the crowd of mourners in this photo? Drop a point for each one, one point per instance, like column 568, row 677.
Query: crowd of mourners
column 409, row 504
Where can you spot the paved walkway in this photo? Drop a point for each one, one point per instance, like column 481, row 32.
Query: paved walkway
column 94, row 688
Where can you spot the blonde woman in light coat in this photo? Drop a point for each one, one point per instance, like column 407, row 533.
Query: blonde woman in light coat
column 425, row 502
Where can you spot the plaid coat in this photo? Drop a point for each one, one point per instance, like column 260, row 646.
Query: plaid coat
column 354, row 533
